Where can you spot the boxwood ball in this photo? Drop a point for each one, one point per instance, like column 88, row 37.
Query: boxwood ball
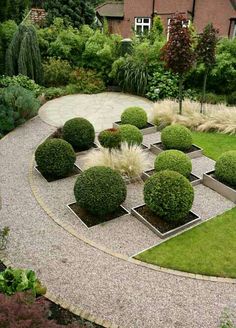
column 100, row 190
column 176, row 136
column 225, row 168
column 79, row 132
column 135, row 116
column 169, row 195
column 55, row 157
column 131, row 134
column 174, row 160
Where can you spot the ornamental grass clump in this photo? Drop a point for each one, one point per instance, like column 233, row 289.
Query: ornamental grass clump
column 131, row 134
column 55, row 158
column 79, row 132
column 135, row 116
column 176, row 136
column 129, row 161
column 169, row 195
column 100, row 190
column 110, row 138
column 225, row 168
column 173, row 160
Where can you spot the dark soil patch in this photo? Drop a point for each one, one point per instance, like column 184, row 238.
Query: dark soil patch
column 160, row 224
column 91, row 220
column 149, row 125
column 190, row 150
column 75, row 171
column 212, row 174
column 191, row 178
column 2, row 267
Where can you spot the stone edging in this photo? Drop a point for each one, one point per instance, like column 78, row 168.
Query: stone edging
column 91, row 243
column 75, row 310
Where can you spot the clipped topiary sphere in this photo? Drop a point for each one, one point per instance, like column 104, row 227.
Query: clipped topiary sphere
column 225, row 168
column 176, row 136
column 79, row 132
column 100, row 190
column 55, row 157
column 135, row 116
column 110, row 138
column 169, row 195
column 174, row 160
column 130, row 134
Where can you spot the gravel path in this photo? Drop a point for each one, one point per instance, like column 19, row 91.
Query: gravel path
column 129, row 295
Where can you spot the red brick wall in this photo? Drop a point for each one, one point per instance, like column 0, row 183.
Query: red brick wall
column 216, row 11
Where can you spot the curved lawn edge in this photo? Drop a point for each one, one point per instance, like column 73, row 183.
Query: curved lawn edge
column 208, row 249
column 120, row 256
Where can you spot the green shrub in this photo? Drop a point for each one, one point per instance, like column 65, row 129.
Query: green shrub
column 52, row 93
column 18, row 280
column 174, row 160
column 176, row 136
column 231, row 99
column 225, row 168
column 55, row 158
column 163, row 84
column 16, row 106
column 56, row 72
column 169, row 195
column 100, row 190
column 131, row 134
column 79, row 132
column 110, row 138
column 22, row 81
column 212, row 98
column 135, row 116
column 87, row 81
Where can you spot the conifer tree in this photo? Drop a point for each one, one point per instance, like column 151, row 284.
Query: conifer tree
column 14, row 10
column 23, row 55
column 73, row 12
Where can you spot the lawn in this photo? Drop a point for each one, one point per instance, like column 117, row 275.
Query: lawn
column 214, row 144
column 208, row 249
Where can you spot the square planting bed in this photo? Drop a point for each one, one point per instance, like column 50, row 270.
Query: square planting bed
column 90, row 220
column 76, row 170
column 193, row 152
column 158, row 225
column 193, row 178
column 210, row 180
column 149, row 128
column 58, row 135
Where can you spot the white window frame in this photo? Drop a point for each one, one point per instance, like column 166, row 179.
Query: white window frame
column 139, row 21
column 234, row 30
column 168, row 26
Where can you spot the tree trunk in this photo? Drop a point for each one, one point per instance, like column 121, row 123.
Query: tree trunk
column 204, row 91
column 180, row 94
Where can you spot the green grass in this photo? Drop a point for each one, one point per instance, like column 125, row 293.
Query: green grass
column 214, row 144
column 208, row 249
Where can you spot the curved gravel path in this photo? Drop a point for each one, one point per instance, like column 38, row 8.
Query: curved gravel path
column 126, row 294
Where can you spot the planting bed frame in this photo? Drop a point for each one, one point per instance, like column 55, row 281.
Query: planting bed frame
column 194, row 152
column 150, row 128
column 193, row 178
column 171, row 232
column 210, row 181
column 76, row 171
column 120, row 212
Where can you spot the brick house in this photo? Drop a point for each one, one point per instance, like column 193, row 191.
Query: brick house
column 128, row 15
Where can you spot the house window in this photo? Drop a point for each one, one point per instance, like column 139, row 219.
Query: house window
column 234, row 30
column 142, row 25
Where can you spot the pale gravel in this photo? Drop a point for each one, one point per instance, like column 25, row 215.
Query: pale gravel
column 130, row 296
